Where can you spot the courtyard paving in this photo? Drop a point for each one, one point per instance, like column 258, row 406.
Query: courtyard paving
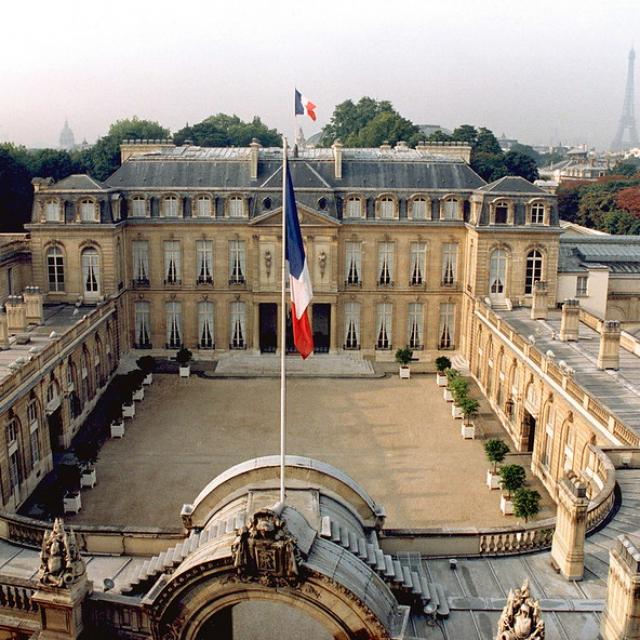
column 395, row 437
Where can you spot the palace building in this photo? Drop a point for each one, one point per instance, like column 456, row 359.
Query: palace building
column 180, row 247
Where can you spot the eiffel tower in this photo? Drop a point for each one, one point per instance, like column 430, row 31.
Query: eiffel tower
column 628, row 118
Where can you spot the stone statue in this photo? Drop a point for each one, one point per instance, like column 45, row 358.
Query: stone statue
column 60, row 561
column 520, row 619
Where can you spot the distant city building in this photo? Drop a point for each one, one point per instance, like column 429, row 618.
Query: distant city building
column 67, row 140
column 506, row 143
column 429, row 129
column 580, row 164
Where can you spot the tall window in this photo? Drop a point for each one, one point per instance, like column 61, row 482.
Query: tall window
column 143, row 325
column 416, row 325
column 91, row 271
column 581, row 285
column 12, row 445
column 450, row 209
column 497, row 271
column 52, row 211
column 548, row 439
column 354, row 207
column 236, row 207
column 14, row 470
column 205, row 325
column 534, row 270
column 88, row 211
column 383, row 324
column 236, row 262
column 203, row 207
column 353, row 263
column 170, row 206
column 449, row 259
column 501, row 213
column 138, row 207
column 385, row 263
column 172, row 262
column 140, row 261
column 204, row 257
column 173, row 312
column 537, row 213
column 33, row 417
column 352, row 325
column 238, row 326
column 386, row 207
column 446, row 329
column 55, row 269
column 419, row 208
column 418, row 259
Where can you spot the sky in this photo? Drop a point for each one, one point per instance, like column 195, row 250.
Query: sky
column 542, row 72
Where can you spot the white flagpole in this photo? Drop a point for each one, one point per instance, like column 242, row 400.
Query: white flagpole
column 283, row 319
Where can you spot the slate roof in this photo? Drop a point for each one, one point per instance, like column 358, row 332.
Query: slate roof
column 79, row 182
column 513, row 184
column 620, row 253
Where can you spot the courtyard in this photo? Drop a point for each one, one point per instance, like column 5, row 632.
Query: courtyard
column 395, row 437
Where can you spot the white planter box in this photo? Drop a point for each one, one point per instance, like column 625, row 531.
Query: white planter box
column 447, row 395
column 72, row 503
column 456, row 411
column 506, row 506
column 493, row 480
column 129, row 411
column 138, row 394
column 468, row 432
column 441, row 379
column 148, row 379
column 88, row 477
column 185, row 371
column 117, row 429
column 405, row 373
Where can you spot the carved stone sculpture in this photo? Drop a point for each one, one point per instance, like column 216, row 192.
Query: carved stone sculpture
column 60, row 561
column 520, row 619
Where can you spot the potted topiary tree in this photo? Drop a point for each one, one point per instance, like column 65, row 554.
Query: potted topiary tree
column 147, row 365
column 442, row 364
column 460, row 392
column 136, row 381
column 512, row 478
column 114, row 408
column 452, row 375
column 526, row 503
column 469, row 407
column 87, row 453
column 69, row 475
column 403, row 358
column 183, row 357
column 495, row 450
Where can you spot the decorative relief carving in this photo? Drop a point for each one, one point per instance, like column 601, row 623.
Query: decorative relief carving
column 322, row 262
column 60, row 561
column 268, row 261
column 520, row 619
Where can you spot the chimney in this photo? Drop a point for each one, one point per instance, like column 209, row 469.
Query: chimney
column 16, row 314
column 337, row 158
column 609, row 352
column 4, row 333
column 255, row 153
column 539, row 309
column 33, row 305
column 385, row 146
column 569, row 324
column 401, row 145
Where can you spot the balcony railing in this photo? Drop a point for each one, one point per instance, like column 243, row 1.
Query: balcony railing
column 139, row 283
column 172, row 282
column 353, row 283
column 238, row 281
column 204, row 280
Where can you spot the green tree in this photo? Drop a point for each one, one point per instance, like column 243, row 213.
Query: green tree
column 489, row 166
column 465, row 133
column 487, row 142
column 529, row 151
column 520, row 164
column 568, row 194
column 512, row 477
column 627, row 167
column 495, row 450
column 16, row 193
column 388, row 127
column 223, row 130
column 52, row 163
column 526, row 503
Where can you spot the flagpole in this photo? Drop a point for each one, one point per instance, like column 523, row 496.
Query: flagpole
column 283, row 319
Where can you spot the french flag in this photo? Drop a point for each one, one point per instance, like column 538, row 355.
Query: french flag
column 301, row 292
column 304, row 105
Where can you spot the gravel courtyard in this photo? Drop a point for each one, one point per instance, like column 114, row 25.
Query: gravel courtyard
column 396, row 438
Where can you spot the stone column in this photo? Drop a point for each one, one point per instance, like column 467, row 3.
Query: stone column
column 333, row 330
column 256, row 328
column 567, row 549
column 569, row 324
column 33, row 305
column 4, row 333
column 609, row 352
column 539, row 310
column 16, row 314
column 621, row 617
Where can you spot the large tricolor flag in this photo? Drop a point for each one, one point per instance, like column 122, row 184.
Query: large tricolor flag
column 301, row 292
column 304, row 105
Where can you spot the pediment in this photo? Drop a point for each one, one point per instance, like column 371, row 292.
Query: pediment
column 307, row 218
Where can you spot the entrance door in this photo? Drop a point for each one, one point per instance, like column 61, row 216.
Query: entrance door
column 497, row 276
column 291, row 347
column 55, row 430
column 268, row 327
column 529, row 430
column 321, row 327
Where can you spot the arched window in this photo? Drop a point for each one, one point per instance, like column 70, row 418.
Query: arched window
column 203, row 207
column 537, row 213
column 33, row 419
column 497, row 271
column 386, row 208
column 15, row 470
column 450, row 209
column 501, row 213
column 52, row 210
column 91, row 272
column 138, row 207
column 354, row 207
column 235, row 207
column 533, row 270
column 170, row 207
column 55, row 269
column 88, row 211
column 419, row 208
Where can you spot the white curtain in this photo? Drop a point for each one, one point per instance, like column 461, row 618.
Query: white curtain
column 141, row 260
column 416, row 324
column 204, row 250
column 419, row 209
column 446, row 325
column 174, row 324
column 237, row 261
column 417, row 262
column 449, row 251
column 87, row 211
column 90, row 271
column 497, row 271
column 238, row 325
column 203, row 207
column 172, row 260
column 143, row 337
column 384, row 338
column 205, row 325
column 385, row 263
column 354, row 259
column 352, row 325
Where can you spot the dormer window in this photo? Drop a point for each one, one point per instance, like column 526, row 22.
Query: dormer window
column 52, row 211
column 537, row 213
column 419, row 208
column 354, row 208
column 501, row 213
column 138, row 207
column 88, row 211
column 386, row 208
column 449, row 209
column 235, row 207
column 170, row 207
column 203, row 207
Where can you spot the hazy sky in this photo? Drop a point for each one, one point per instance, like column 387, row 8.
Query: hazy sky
column 540, row 71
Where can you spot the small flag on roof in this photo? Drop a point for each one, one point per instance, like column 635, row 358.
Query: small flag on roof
column 304, row 105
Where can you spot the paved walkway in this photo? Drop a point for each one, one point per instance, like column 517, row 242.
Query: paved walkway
column 254, row 365
column 395, row 437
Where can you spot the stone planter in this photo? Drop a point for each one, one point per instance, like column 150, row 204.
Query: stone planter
column 468, row 431
column 128, row 410
column 148, row 379
column 185, row 371
column 88, row 477
column 72, row 503
column 506, row 506
column 493, row 480
column 117, row 429
column 456, row 411
column 447, row 394
column 441, row 379
column 138, row 394
column 405, row 373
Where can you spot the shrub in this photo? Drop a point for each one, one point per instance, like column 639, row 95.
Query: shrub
column 147, row 364
column 442, row 363
column 512, row 477
column 469, row 408
column 87, row 451
column 403, row 356
column 459, row 388
column 526, row 503
column 135, row 379
column 452, row 374
column 495, row 450
column 183, row 356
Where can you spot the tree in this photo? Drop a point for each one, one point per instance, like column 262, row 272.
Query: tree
column 629, row 200
column 465, row 133
column 526, row 503
column 525, row 149
column 442, row 363
column 469, row 408
column 489, row 166
column 520, row 164
column 568, row 194
column 388, row 127
column 512, row 477
column 16, row 193
column 628, row 167
column 495, row 450
column 403, row 356
column 51, row 163
column 223, row 130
